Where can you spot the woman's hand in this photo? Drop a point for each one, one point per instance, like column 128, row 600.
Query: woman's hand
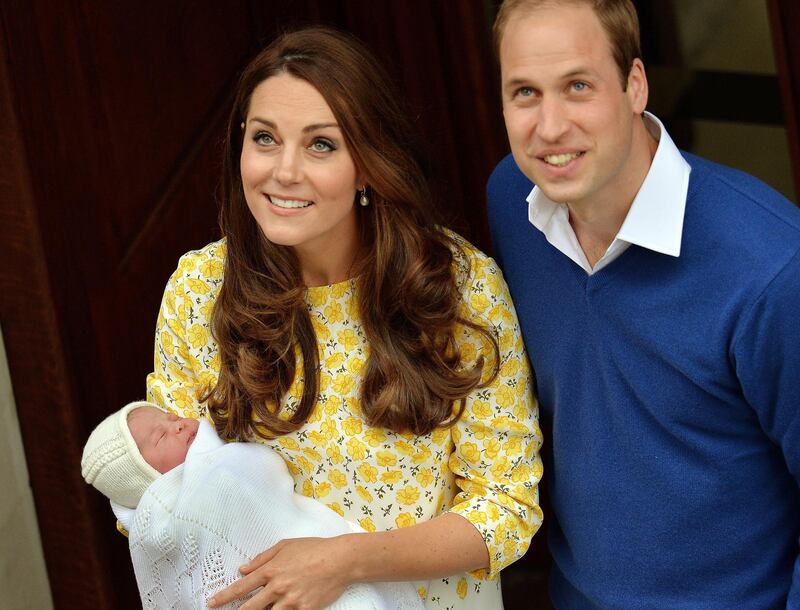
column 297, row 574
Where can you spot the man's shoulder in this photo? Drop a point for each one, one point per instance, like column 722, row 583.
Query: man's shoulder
column 507, row 182
column 751, row 225
column 734, row 192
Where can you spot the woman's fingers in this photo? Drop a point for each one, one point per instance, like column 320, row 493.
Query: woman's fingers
column 260, row 559
column 240, row 588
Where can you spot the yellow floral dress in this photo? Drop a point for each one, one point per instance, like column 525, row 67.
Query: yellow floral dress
column 485, row 468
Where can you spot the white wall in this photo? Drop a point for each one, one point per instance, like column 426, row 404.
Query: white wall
column 23, row 578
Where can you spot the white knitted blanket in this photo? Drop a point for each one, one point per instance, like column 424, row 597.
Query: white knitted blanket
column 198, row 523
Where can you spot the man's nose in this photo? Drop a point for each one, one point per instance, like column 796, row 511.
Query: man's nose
column 553, row 121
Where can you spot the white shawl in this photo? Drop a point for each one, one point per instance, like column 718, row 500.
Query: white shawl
column 199, row 522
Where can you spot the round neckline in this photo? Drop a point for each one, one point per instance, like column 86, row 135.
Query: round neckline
column 328, row 287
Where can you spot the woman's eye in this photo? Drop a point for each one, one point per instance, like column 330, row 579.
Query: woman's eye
column 264, row 138
column 322, row 145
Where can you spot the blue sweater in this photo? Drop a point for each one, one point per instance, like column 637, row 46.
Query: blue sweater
column 671, row 387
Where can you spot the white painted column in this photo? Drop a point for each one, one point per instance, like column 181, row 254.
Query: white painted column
column 23, row 577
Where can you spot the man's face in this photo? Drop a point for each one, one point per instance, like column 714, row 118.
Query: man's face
column 163, row 438
column 570, row 123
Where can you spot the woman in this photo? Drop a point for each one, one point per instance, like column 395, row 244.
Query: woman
column 377, row 353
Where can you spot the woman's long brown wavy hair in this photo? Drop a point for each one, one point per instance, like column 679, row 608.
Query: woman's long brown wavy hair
column 408, row 286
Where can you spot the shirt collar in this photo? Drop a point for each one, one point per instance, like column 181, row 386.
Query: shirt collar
column 655, row 218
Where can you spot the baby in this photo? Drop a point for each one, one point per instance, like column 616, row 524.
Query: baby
column 198, row 508
column 131, row 448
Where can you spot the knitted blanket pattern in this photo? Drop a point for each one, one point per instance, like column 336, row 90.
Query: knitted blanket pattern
column 198, row 523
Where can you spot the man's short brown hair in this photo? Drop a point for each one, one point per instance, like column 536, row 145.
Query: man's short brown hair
column 618, row 18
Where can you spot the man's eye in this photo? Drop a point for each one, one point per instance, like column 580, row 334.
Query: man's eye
column 579, row 86
column 525, row 92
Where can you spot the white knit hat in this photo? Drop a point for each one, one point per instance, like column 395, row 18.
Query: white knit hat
column 112, row 462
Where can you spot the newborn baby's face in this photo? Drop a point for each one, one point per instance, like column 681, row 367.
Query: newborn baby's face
column 163, row 438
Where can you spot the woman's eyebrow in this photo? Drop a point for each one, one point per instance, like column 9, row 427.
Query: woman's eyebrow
column 316, row 126
column 306, row 129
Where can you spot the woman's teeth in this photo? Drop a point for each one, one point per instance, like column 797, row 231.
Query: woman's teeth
column 289, row 203
column 562, row 159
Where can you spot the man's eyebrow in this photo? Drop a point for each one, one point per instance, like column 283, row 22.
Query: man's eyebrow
column 306, row 129
column 578, row 72
column 516, row 82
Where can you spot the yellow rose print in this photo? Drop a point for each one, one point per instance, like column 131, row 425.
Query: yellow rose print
column 481, row 409
column 334, row 361
column 408, row 495
column 471, row 452
column 392, row 477
column 187, row 264
column 337, row 478
column 374, row 437
column 212, row 269
column 287, row 442
column 505, row 396
column 491, row 448
column 480, row 302
column 405, row 520
column 461, row 588
column 356, row 449
column 328, row 429
column 312, row 454
column 365, row 495
column 424, row 477
column 477, row 516
column 334, row 454
column 348, row 339
column 340, row 289
column 368, row 473
column 386, row 458
column 334, row 506
column 352, row 426
column 334, row 313
column 343, row 383
column 199, row 287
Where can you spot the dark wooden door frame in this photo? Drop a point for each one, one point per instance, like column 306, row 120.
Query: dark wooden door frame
column 784, row 18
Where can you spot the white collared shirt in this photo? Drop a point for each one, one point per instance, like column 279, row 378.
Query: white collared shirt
column 654, row 220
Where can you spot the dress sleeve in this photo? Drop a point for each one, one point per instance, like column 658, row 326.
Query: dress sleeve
column 497, row 440
column 179, row 381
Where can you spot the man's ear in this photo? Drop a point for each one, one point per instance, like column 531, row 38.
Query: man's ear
column 637, row 87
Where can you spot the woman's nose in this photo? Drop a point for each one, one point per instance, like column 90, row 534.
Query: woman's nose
column 287, row 170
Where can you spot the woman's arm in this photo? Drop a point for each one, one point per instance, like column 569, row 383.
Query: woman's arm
column 312, row 573
column 185, row 365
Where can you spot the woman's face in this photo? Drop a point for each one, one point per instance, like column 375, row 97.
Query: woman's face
column 298, row 176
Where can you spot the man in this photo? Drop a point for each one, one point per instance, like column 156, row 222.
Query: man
column 659, row 296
